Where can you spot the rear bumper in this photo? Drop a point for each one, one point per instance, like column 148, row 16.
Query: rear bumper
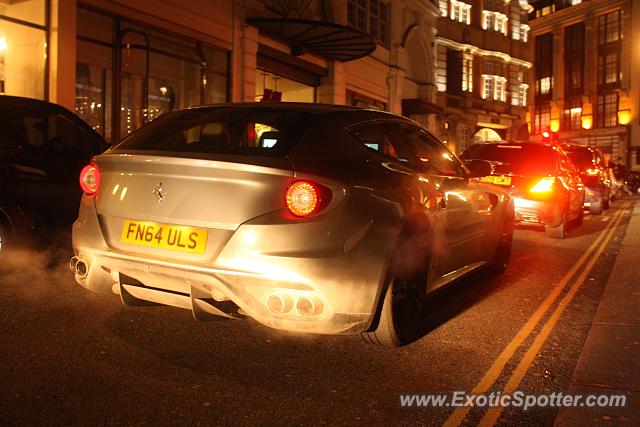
column 547, row 213
column 332, row 286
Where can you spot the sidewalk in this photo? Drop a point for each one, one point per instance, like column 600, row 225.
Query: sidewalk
column 610, row 359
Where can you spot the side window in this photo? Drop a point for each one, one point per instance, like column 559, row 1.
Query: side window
column 377, row 138
column 432, row 156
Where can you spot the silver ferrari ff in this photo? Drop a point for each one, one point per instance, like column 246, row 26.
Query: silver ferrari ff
column 305, row 217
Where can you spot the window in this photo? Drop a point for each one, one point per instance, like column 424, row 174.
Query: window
column 441, row 68
column 222, row 131
column 494, row 88
column 609, row 28
column 544, row 66
column 541, row 118
column 572, row 119
column 574, row 59
column 23, row 48
column 494, row 21
column 371, row 16
column 159, row 73
column 607, row 111
column 467, row 73
column 431, row 155
column 460, row 11
column 519, row 94
column 454, row 72
column 444, row 7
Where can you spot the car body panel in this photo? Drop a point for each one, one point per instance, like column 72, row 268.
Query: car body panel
column 339, row 257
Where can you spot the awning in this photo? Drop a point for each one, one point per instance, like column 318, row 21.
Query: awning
column 332, row 41
column 414, row 106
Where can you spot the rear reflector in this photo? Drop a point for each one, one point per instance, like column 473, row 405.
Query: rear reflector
column 90, row 179
column 545, row 185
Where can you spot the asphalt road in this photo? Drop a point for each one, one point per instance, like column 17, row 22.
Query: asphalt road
column 69, row 356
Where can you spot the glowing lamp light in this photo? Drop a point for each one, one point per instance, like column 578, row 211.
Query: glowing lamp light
column 587, row 121
column 546, row 134
column 3, row 44
column 545, row 185
column 624, row 117
column 554, row 125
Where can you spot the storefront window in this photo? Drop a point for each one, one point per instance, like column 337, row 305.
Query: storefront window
column 271, row 87
column 32, row 11
column 157, row 73
column 23, row 48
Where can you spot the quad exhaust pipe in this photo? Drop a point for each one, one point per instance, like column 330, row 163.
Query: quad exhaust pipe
column 79, row 267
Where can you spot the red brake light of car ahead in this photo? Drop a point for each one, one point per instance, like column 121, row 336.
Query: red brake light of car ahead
column 305, row 198
column 90, row 179
column 545, row 185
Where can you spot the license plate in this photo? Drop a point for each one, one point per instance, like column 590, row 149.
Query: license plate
column 165, row 236
column 498, row 180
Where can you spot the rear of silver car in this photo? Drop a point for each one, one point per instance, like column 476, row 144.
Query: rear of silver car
column 211, row 232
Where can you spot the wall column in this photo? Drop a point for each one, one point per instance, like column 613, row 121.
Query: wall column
column 62, row 53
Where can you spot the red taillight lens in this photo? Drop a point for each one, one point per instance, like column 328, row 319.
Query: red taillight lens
column 305, row 198
column 545, row 185
column 90, row 179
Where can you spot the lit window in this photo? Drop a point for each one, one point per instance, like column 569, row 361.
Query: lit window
column 545, row 85
column 461, row 12
column 444, row 7
column 467, row 73
column 524, row 32
column 519, row 95
column 494, row 21
column 494, row 87
column 441, row 68
column 575, row 2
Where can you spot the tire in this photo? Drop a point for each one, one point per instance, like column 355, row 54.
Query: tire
column 558, row 232
column 400, row 317
column 596, row 208
column 500, row 259
column 403, row 310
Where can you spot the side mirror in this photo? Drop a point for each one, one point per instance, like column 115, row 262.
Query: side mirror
column 478, row 168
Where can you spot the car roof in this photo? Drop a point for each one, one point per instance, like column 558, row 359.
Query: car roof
column 18, row 103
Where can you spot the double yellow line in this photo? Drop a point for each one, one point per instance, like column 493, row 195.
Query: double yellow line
column 592, row 254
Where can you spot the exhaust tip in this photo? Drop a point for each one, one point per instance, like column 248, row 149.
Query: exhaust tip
column 278, row 304
column 82, row 269
column 309, row 306
column 72, row 264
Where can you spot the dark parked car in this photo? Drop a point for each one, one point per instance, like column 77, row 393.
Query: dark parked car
column 594, row 174
column 43, row 147
column 306, row 217
column 546, row 186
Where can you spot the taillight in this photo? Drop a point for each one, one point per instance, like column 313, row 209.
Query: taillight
column 545, row 185
column 90, row 179
column 304, row 198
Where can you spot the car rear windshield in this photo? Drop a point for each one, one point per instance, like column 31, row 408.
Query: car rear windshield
column 525, row 159
column 583, row 159
column 261, row 132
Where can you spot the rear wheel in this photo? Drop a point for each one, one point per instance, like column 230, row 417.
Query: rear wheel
column 401, row 315
column 500, row 260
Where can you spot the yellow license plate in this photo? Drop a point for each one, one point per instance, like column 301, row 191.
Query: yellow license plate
column 165, row 236
column 499, row 180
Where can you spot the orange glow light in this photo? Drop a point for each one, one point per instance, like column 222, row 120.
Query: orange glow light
column 545, row 185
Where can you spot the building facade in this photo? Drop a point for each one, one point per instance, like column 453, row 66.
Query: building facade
column 584, row 87
column 482, row 68
column 120, row 63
